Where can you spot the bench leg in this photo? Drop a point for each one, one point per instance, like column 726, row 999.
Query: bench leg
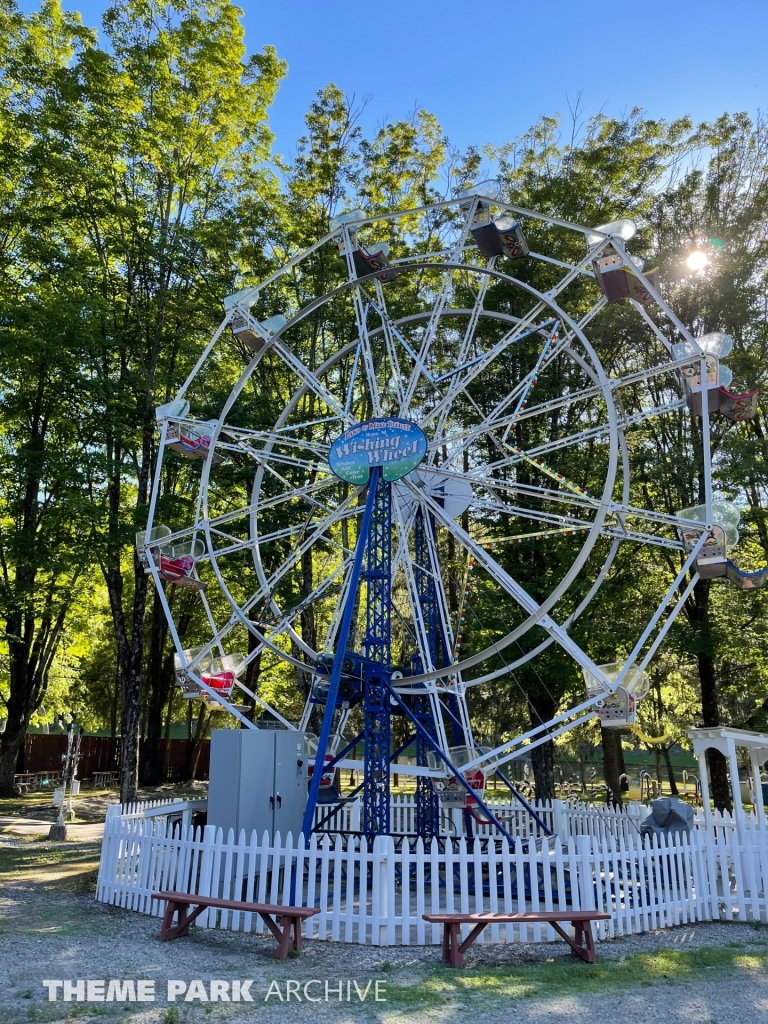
column 454, row 953
column 284, row 943
column 453, row 948
column 590, row 953
column 464, row 946
column 283, row 935
column 167, row 925
column 167, row 931
column 583, row 943
column 297, row 934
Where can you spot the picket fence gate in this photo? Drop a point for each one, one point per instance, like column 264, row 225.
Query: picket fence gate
column 376, row 894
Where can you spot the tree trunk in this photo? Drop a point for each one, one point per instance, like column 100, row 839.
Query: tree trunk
column 610, row 740
column 543, row 761
column 203, row 718
column 158, row 685
column 113, row 717
column 541, row 709
column 31, row 647
column 128, row 625
column 670, row 771
column 710, row 710
column 167, row 737
column 13, row 742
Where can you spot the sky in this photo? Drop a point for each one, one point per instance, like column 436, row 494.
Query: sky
column 490, row 68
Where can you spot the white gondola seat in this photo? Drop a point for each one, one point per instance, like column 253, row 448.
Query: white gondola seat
column 175, row 562
column 149, row 542
column 618, row 282
column 711, row 562
column 190, row 690
column 192, row 440
column 370, row 261
column 252, row 339
column 450, row 792
column 501, row 237
column 220, row 674
column 617, row 708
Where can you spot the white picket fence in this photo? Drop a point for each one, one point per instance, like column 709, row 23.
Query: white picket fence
column 377, row 894
column 566, row 818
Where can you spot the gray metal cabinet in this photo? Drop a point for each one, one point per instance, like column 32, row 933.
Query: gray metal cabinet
column 258, row 780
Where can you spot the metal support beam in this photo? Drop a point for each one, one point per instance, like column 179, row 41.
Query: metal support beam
column 338, row 660
column 453, row 770
column 376, row 645
column 427, row 804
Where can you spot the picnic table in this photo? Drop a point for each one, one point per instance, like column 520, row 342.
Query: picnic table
column 47, row 778
column 23, row 782
column 103, row 780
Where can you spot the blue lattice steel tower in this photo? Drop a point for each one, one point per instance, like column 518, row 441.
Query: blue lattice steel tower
column 377, row 664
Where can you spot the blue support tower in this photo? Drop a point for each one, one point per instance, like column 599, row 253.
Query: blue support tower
column 427, row 804
column 377, row 644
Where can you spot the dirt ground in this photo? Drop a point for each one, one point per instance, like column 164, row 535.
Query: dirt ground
column 51, row 929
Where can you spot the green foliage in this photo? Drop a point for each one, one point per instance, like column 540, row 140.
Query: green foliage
column 138, row 188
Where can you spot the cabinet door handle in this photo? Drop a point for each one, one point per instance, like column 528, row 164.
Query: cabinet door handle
column 279, row 801
column 272, row 802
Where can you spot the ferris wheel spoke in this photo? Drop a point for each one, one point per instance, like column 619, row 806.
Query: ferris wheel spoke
column 364, row 345
column 282, row 438
column 467, row 341
column 279, row 622
column 537, row 613
column 306, row 494
column 495, row 420
column 402, row 553
column 411, row 589
column 442, row 603
column 420, row 366
column 270, row 583
column 520, row 390
column 473, row 368
column 310, row 380
column 380, row 306
column 238, row 544
column 535, row 515
column 615, row 384
column 268, row 456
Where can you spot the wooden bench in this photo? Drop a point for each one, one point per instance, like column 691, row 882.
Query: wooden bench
column 181, row 901
column 582, row 944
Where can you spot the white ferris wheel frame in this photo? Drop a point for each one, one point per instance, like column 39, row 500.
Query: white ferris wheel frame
column 451, row 679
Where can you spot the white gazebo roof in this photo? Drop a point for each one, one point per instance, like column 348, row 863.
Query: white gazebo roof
column 722, row 737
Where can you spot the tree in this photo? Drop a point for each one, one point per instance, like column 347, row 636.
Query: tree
column 157, row 139
column 45, row 521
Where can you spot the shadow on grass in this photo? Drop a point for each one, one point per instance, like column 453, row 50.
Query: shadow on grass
column 444, row 986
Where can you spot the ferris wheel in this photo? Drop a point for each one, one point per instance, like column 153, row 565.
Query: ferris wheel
column 443, row 402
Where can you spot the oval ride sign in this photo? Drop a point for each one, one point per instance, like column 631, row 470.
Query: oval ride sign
column 398, row 446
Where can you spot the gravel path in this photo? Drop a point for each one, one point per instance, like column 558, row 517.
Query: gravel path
column 53, row 929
